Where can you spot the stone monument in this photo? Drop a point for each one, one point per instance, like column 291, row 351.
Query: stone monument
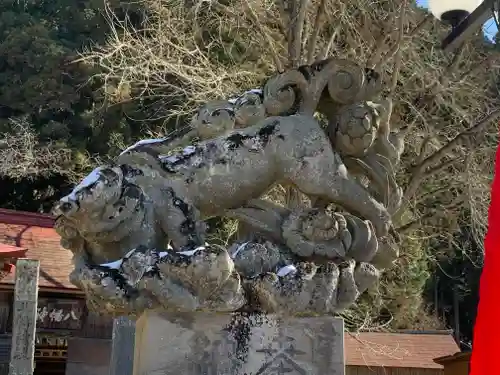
column 264, row 304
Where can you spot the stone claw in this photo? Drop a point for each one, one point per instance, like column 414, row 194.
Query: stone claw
column 314, row 289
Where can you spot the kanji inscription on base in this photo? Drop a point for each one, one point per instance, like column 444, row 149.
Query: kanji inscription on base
column 239, row 345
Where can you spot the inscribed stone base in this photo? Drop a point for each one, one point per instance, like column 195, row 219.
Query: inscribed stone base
column 211, row 344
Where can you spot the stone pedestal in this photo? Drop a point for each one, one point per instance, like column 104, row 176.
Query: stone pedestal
column 211, row 344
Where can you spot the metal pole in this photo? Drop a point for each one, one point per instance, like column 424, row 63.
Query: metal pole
column 469, row 25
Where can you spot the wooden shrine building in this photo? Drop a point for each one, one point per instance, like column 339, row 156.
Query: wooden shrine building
column 70, row 340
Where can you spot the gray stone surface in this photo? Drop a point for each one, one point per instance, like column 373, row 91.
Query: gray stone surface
column 122, row 352
column 87, row 356
column 73, row 368
column 215, row 344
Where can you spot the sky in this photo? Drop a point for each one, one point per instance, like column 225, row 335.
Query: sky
column 489, row 28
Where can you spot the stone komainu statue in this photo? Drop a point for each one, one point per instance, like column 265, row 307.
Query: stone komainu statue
column 136, row 226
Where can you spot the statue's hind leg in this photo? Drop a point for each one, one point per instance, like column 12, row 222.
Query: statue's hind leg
column 325, row 177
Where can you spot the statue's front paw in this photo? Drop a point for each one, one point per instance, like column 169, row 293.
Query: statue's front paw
column 170, row 294
column 325, row 291
column 309, row 288
column 289, row 290
column 354, row 279
column 347, row 291
column 106, row 293
column 228, row 298
column 203, row 270
column 252, row 258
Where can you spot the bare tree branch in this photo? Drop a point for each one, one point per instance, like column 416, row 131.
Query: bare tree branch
column 380, row 44
column 487, row 61
column 297, row 16
column 479, row 126
column 397, row 63
column 397, row 46
column 23, row 155
column 414, row 224
column 441, row 167
column 419, row 171
column 329, row 45
column 444, row 79
column 315, row 32
column 255, row 19
column 419, row 222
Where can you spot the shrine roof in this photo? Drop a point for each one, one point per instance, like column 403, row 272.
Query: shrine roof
column 35, row 233
column 408, row 350
column 8, row 251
